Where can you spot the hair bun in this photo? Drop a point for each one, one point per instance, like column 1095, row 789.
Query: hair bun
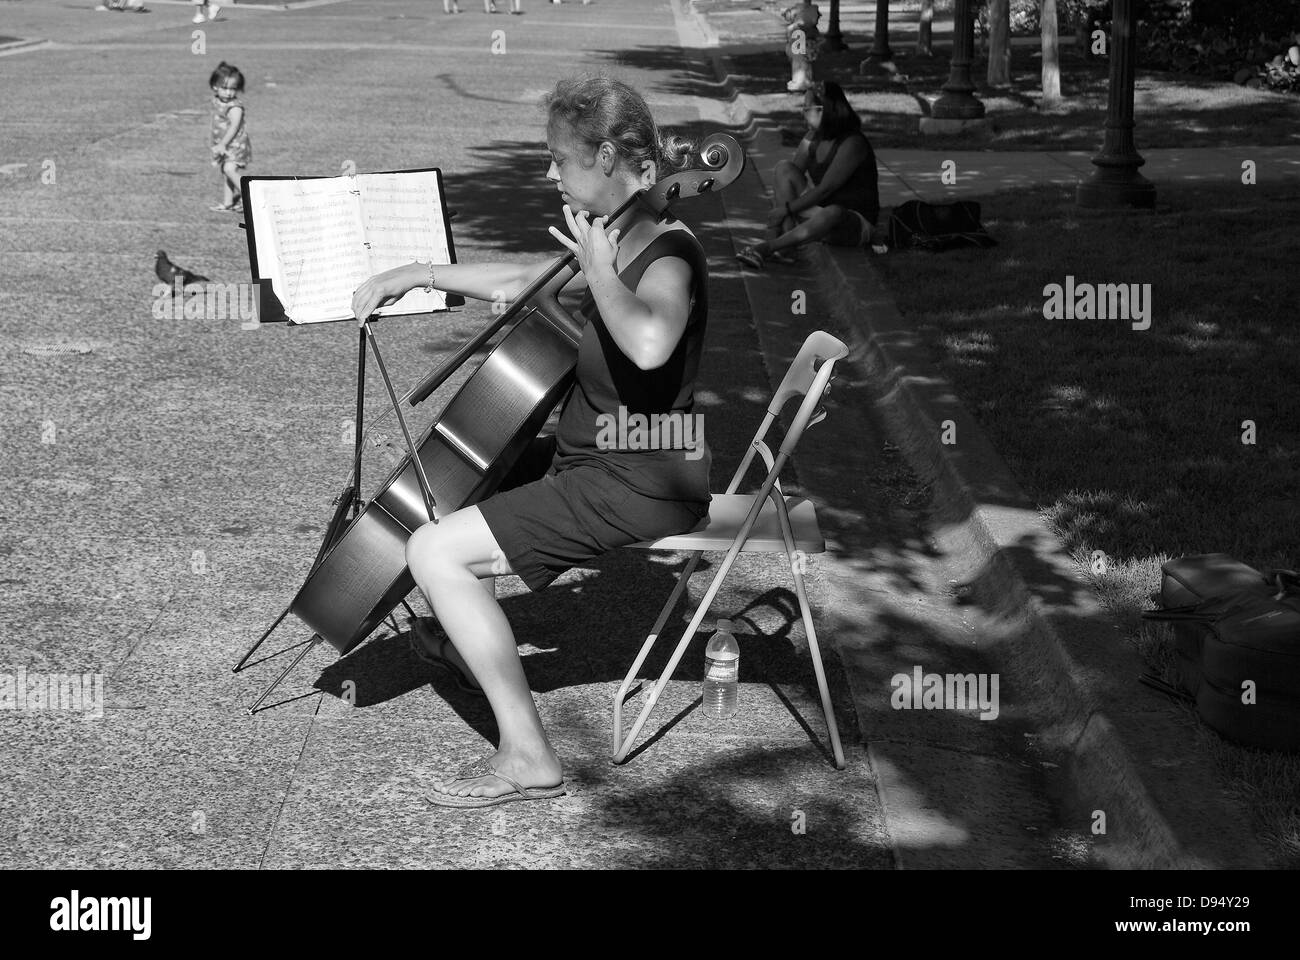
column 677, row 152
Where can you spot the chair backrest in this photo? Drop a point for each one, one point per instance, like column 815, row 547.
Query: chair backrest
column 804, row 378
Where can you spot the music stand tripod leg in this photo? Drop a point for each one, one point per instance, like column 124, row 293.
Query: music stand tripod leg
column 284, row 613
column 285, row 672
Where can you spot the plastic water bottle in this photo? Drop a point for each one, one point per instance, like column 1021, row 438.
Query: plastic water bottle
column 721, row 673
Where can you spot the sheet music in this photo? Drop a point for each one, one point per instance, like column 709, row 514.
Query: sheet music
column 319, row 239
column 402, row 218
column 319, row 250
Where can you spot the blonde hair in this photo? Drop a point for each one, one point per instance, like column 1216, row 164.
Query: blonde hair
column 599, row 109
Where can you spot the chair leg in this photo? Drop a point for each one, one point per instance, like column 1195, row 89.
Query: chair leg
column 621, row 750
column 701, row 612
column 620, row 695
column 819, row 670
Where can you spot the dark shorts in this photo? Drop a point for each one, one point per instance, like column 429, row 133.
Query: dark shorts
column 547, row 522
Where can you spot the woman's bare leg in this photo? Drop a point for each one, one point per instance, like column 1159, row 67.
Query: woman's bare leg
column 788, row 181
column 447, row 560
column 814, row 223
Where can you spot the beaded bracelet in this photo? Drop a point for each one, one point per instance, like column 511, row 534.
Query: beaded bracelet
column 428, row 287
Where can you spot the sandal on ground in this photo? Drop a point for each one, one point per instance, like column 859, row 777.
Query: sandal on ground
column 485, row 769
column 780, row 256
column 432, row 650
column 226, row 208
column 750, row 257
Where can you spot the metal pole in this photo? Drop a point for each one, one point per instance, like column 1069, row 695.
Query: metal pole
column 958, row 100
column 1116, row 181
column 880, row 42
column 835, row 39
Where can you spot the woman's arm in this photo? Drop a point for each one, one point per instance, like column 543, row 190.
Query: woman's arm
column 646, row 324
column 802, row 153
column 482, row 281
column 852, row 154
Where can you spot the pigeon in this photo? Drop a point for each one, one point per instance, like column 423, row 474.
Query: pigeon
column 168, row 272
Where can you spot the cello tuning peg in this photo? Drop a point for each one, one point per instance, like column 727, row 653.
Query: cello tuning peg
column 706, row 185
column 673, row 192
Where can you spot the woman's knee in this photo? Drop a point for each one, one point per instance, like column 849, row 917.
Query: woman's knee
column 422, row 550
column 458, row 544
column 434, row 555
column 785, row 170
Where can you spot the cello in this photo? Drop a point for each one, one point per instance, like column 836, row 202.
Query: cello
column 360, row 573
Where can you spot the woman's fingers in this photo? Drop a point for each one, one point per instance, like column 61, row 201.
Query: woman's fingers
column 365, row 300
column 558, row 234
column 571, row 219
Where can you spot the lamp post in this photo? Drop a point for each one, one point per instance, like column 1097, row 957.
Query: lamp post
column 880, row 42
column 835, row 39
column 958, row 100
column 1116, row 181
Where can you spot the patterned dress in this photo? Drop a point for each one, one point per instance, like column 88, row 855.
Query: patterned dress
column 239, row 150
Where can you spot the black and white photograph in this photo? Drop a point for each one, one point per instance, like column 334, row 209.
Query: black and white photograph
column 644, row 435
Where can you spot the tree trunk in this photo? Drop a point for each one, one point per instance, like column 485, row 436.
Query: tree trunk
column 1051, row 55
column 999, row 74
column 924, row 36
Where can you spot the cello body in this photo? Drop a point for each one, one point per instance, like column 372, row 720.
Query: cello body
column 466, row 452
column 477, row 438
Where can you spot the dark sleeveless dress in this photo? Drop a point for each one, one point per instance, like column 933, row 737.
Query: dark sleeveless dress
column 628, row 461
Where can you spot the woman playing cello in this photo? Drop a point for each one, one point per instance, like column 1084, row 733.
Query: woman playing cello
column 572, row 496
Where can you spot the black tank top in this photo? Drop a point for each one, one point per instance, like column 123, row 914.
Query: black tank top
column 640, row 425
column 861, row 192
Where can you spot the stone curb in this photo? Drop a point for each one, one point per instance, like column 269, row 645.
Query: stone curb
column 1125, row 752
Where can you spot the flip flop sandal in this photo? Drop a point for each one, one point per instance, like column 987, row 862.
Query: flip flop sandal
column 485, row 769
column 430, row 651
column 778, row 256
column 750, row 258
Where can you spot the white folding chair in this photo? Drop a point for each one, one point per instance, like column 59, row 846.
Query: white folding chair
column 764, row 522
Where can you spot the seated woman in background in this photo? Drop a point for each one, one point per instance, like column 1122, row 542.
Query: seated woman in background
column 828, row 191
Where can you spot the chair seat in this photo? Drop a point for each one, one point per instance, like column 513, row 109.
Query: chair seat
column 727, row 512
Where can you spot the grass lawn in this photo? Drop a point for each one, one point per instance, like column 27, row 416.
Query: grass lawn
column 1131, row 441
column 1170, row 110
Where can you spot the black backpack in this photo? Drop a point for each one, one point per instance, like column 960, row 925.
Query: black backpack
column 937, row 226
column 1233, row 624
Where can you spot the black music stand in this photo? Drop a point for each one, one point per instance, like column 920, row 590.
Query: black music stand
column 271, row 309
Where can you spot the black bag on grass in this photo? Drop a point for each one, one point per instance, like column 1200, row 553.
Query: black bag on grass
column 1233, row 624
column 937, row 226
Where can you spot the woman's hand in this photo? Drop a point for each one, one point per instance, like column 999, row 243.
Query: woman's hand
column 381, row 290
column 777, row 216
column 594, row 248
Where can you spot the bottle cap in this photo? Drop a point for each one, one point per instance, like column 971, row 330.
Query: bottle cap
column 725, row 625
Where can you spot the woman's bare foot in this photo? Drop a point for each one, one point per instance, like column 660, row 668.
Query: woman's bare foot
column 536, row 769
